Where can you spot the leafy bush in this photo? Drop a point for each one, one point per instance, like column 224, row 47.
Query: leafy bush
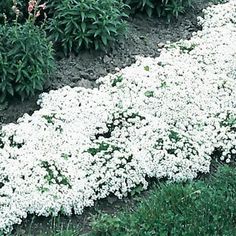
column 90, row 23
column 26, row 60
column 200, row 208
column 160, row 7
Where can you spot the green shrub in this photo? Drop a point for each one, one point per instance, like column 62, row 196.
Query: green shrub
column 86, row 24
column 190, row 209
column 166, row 8
column 26, row 59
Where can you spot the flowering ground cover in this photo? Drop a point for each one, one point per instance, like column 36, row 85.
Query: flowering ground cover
column 163, row 117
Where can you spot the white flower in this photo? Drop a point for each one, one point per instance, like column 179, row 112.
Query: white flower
column 84, row 144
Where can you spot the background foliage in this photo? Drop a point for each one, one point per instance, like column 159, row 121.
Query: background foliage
column 166, row 8
column 86, row 24
column 26, row 60
column 6, row 8
column 76, row 24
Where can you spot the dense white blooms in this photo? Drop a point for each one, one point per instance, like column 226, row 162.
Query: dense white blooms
column 161, row 118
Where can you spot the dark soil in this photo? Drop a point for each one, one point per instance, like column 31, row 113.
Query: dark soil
column 145, row 37
column 80, row 224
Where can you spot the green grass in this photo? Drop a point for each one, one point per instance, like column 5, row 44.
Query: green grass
column 196, row 208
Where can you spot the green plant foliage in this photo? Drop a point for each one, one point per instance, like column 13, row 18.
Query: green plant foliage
column 5, row 8
column 86, row 24
column 7, row 11
column 51, row 178
column 166, row 8
column 26, row 60
column 51, row 6
column 117, row 80
column 190, row 209
column 149, row 94
column 218, row 1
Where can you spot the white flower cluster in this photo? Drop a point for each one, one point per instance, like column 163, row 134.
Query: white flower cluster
column 162, row 118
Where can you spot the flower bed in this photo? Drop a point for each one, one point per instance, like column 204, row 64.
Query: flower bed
column 161, row 118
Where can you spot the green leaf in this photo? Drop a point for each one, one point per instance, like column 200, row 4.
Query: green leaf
column 104, row 40
column 149, row 94
column 9, row 89
column 97, row 32
column 82, row 16
column 83, row 27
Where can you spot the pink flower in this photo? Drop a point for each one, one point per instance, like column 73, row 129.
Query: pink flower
column 42, row 6
column 30, row 8
column 37, row 14
column 31, row 5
